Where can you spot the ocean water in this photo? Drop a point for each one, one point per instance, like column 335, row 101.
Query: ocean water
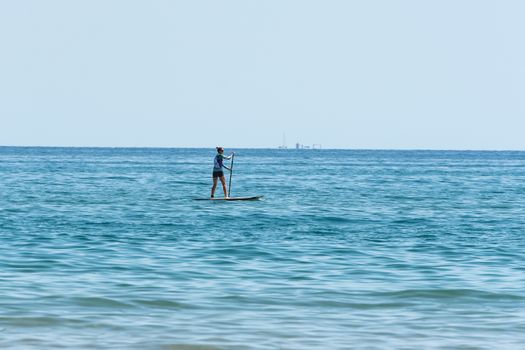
column 106, row 249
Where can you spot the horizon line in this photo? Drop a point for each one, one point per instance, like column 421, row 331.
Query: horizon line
column 278, row 148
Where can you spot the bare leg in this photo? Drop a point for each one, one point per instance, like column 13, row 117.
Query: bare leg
column 223, row 181
column 213, row 187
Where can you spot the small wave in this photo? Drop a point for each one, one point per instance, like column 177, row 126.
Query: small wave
column 336, row 219
column 449, row 294
column 411, row 221
column 161, row 304
column 190, row 347
column 100, row 302
column 362, row 306
column 31, row 321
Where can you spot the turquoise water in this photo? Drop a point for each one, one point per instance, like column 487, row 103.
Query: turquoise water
column 105, row 249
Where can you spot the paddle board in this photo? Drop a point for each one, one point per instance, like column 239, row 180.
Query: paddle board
column 254, row 198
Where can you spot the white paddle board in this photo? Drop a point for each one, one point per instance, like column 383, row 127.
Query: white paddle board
column 254, row 198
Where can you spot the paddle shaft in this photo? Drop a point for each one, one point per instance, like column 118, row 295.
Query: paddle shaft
column 231, row 172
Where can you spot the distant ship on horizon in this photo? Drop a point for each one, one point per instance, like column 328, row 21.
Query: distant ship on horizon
column 299, row 145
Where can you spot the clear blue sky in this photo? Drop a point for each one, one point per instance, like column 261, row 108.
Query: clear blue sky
column 345, row 74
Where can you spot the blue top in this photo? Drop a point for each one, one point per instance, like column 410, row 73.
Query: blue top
column 218, row 162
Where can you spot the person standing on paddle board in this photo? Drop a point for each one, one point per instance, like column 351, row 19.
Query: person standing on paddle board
column 218, row 173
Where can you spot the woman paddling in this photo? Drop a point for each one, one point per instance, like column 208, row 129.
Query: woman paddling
column 217, row 171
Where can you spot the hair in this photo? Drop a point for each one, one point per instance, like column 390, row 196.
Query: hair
column 219, row 149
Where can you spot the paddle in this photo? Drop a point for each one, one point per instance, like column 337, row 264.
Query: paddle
column 231, row 172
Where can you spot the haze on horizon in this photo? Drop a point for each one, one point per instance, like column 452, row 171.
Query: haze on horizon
column 379, row 74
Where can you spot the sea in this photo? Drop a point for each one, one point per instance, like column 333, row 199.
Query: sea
column 106, row 248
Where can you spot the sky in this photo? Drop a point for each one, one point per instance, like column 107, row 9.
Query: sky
column 378, row 74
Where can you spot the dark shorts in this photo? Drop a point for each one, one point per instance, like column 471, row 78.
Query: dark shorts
column 218, row 174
